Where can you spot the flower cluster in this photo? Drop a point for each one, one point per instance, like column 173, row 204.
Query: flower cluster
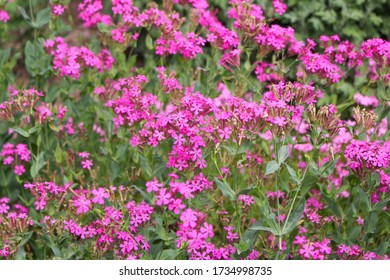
column 367, row 156
column 16, row 156
column 70, row 61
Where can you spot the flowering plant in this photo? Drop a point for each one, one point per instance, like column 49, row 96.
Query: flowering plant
column 181, row 129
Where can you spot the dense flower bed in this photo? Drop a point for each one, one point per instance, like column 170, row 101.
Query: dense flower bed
column 181, row 129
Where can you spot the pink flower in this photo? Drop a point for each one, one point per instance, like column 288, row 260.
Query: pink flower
column 280, row 121
column 99, row 195
column 40, row 204
column 4, row 208
column 4, row 17
column 207, row 230
column 8, row 160
column 300, row 240
column 86, row 164
column 189, row 218
column 82, row 204
column 4, row 252
column 279, row 6
column 225, row 133
column 163, row 197
column 370, row 256
column 19, row 170
column 84, row 154
column 307, row 250
column 58, row 9
column 153, row 185
column 176, row 205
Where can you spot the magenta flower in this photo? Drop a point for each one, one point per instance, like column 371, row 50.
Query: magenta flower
column 82, row 204
column 99, row 196
column 84, row 154
column 153, row 185
column 300, row 240
column 176, row 205
column 163, row 197
column 58, row 9
column 370, row 256
column 207, row 230
column 40, row 204
column 4, row 17
column 189, row 218
column 225, row 133
column 19, row 170
column 86, row 164
column 4, row 208
column 8, row 160
column 307, row 250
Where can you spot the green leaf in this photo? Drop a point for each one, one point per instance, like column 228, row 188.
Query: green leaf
column 245, row 146
column 262, row 228
column 145, row 166
column 169, row 254
column 225, row 189
column 282, row 154
column 353, row 31
column 24, row 14
column 371, row 222
column 328, row 16
column 380, row 205
column 292, row 173
column 376, row 20
column 272, row 166
column 102, row 27
column 328, row 167
column 21, row 131
column 382, row 248
column 365, row 202
column 295, row 216
column 144, row 194
column 43, row 17
column 159, row 169
column 20, row 254
column 353, row 180
column 355, row 14
column 4, row 56
column 161, row 231
column 56, row 251
column 354, row 234
column 333, row 206
column 26, row 238
column 231, row 150
column 149, row 42
column 249, row 237
column 39, row 162
column 114, row 171
column 121, row 151
column 316, row 23
column 309, row 180
column 58, row 154
column 33, row 129
column 36, row 59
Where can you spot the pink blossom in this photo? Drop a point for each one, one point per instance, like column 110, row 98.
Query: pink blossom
column 153, row 185
column 87, row 164
column 19, row 170
column 58, row 9
column 82, row 204
column 99, row 195
column 4, row 17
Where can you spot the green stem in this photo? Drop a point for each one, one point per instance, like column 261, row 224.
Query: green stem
column 295, row 197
